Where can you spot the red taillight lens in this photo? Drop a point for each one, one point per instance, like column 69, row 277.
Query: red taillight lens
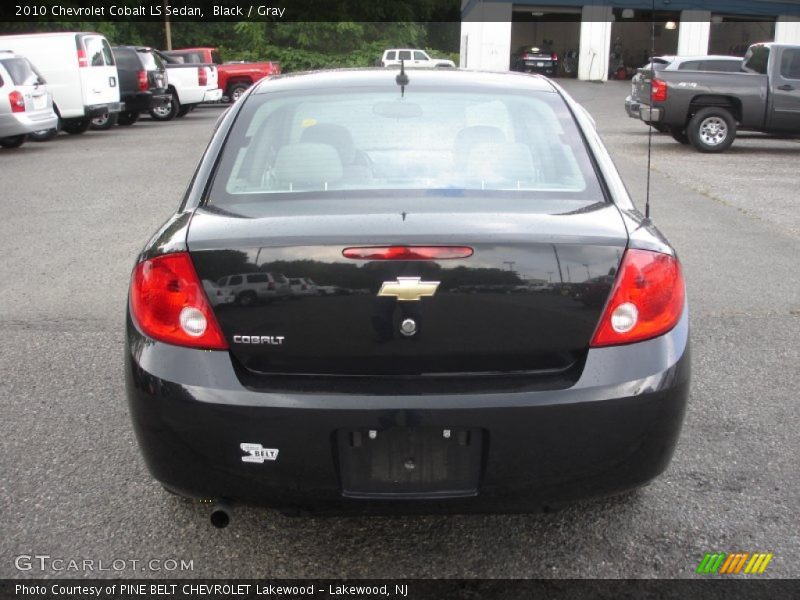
column 169, row 304
column 658, row 90
column 646, row 301
column 408, row 252
column 82, row 60
column 202, row 76
column 554, row 56
column 17, row 102
column 144, row 85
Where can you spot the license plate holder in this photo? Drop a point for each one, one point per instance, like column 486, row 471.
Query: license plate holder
column 410, row 462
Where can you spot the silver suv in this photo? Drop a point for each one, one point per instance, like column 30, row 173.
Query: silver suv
column 26, row 105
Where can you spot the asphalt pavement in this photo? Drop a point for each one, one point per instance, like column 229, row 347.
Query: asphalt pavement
column 76, row 210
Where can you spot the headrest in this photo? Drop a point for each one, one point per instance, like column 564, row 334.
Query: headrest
column 305, row 165
column 333, row 135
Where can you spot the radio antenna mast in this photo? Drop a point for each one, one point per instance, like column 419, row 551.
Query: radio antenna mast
column 650, row 123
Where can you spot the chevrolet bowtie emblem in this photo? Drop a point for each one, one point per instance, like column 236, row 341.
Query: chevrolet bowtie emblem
column 408, row 289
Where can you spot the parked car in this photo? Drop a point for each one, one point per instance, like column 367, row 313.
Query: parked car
column 249, row 288
column 188, row 85
column 26, row 105
column 234, row 77
column 414, row 59
column 218, row 296
column 409, row 394
column 640, row 84
column 143, row 85
column 80, row 71
column 302, row 286
column 535, row 59
column 706, row 109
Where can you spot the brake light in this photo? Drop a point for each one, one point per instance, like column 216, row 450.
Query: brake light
column 82, row 60
column 17, row 102
column 202, row 76
column 408, row 252
column 554, row 56
column 658, row 90
column 169, row 304
column 143, row 84
column 646, row 300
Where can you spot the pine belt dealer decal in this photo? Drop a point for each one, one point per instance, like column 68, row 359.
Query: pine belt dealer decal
column 258, row 454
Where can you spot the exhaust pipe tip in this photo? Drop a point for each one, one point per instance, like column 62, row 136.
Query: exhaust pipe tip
column 221, row 515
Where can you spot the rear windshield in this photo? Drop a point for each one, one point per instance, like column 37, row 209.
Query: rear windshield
column 21, row 71
column 150, row 61
column 377, row 142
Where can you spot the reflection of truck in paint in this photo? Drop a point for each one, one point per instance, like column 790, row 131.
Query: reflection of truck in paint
column 705, row 109
column 234, row 77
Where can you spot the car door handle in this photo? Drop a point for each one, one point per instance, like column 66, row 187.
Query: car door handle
column 786, row 88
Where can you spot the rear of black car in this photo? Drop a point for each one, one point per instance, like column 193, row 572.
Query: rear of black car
column 143, row 81
column 501, row 341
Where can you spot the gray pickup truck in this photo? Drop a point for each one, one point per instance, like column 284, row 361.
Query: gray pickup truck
column 705, row 109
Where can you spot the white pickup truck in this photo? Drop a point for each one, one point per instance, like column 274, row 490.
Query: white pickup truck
column 189, row 85
column 414, row 59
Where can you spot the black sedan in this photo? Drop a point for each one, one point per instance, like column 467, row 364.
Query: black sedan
column 469, row 216
column 535, row 59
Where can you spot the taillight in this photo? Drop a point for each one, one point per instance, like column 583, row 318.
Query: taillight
column 169, row 304
column 646, row 301
column 82, row 60
column 202, row 76
column 143, row 83
column 408, row 252
column 17, row 102
column 554, row 56
column 658, row 90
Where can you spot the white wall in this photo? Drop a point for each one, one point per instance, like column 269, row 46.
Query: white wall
column 595, row 43
column 693, row 32
column 787, row 30
column 486, row 37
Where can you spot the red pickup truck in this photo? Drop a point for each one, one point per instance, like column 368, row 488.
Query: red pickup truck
column 234, row 77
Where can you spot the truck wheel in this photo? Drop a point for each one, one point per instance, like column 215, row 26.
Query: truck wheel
column 168, row 111
column 104, row 121
column 712, row 129
column 679, row 135
column 236, row 90
column 76, row 126
column 128, row 117
column 12, row 142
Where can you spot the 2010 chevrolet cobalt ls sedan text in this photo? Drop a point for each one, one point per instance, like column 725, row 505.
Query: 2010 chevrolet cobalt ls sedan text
column 507, row 331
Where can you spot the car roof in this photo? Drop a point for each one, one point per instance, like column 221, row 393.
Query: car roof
column 381, row 77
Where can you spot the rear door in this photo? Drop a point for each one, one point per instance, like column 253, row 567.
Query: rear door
column 99, row 79
column 786, row 91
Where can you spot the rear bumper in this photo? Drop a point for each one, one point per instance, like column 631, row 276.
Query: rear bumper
column 144, row 101
column 614, row 430
column 632, row 108
column 650, row 114
column 98, row 110
column 12, row 124
column 213, row 95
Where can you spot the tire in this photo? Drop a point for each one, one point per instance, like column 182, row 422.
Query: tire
column 104, row 122
column 679, row 135
column 183, row 111
column 127, row 118
column 712, row 129
column 236, row 90
column 76, row 126
column 45, row 135
column 14, row 141
column 167, row 112
column 246, row 299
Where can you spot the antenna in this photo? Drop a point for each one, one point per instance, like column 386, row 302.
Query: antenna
column 402, row 79
column 650, row 125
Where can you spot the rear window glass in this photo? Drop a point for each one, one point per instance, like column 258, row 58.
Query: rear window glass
column 258, row 278
column 98, row 52
column 216, row 58
column 756, row 60
column 21, row 71
column 730, row 66
column 126, row 59
column 150, row 61
column 690, row 65
column 285, row 144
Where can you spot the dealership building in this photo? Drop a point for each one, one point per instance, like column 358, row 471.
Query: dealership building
column 602, row 35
